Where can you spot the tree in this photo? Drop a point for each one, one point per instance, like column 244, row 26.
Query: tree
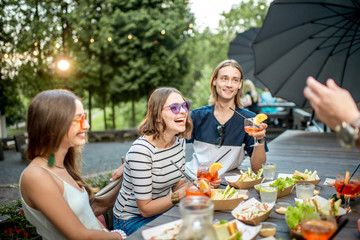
column 149, row 53
column 209, row 48
column 10, row 104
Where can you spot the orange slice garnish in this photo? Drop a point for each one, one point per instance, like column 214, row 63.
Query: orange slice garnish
column 203, row 185
column 214, row 167
column 346, row 177
column 260, row 118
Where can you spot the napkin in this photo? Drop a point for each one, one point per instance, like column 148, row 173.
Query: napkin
column 329, row 182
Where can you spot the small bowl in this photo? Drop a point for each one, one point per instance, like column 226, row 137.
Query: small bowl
column 317, row 190
column 281, row 207
column 268, row 229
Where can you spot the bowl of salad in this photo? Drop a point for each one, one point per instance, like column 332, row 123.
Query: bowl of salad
column 245, row 180
column 284, row 185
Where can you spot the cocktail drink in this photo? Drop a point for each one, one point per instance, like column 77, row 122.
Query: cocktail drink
column 204, row 173
column 269, row 171
column 251, row 127
column 201, row 188
column 317, row 229
column 268, row 194
column 210, row 173
column 304, row 190
column 347, row 187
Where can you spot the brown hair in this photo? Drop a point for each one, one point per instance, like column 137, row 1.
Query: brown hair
column 49, row 117
column 151, row 124
column 214, row 96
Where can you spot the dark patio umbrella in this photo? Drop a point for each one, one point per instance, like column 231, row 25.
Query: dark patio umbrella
column 320, row 38
column 240, row 50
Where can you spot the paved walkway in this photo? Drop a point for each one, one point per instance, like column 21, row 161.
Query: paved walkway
column 98, row 157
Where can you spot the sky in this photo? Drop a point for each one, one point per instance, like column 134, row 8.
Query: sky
column 207, row 12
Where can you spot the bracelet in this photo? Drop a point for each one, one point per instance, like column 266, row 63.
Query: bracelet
column 175, row 198
column 260, row 140
column 121, row 232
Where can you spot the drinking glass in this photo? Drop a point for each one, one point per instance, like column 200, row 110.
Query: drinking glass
column 352, row 187
column 269, row 171
column 304, row 190
column 203, row 172
column 268, row 194
column 250, row 126
column 197, row 190
column 318, row 229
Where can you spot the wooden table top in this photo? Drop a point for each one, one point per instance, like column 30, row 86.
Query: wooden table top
column 294, row 150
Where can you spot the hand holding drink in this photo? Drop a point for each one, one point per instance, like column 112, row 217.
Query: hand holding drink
column 254, row 125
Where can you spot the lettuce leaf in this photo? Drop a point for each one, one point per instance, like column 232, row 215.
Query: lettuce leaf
column 283, row 183
column 294, row 215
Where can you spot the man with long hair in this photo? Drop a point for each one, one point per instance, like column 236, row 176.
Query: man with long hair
column 218, row 132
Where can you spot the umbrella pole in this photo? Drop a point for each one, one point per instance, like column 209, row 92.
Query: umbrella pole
column 313, row 122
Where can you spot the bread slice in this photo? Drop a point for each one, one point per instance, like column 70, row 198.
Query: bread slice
column 226, row 230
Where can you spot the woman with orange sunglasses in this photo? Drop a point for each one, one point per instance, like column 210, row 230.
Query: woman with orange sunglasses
column 55, row 198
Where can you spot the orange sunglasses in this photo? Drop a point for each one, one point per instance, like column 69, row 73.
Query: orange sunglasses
column 81, row 120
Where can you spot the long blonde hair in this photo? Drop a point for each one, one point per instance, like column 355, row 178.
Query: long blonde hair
column 151, row 124
column 249, row 86
column 49, row 117
column 214, row 96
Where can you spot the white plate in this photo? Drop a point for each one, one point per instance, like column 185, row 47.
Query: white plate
column 248, row 232
column 155, row 231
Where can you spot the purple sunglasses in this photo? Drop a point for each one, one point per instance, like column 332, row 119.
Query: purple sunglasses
column 176, row 107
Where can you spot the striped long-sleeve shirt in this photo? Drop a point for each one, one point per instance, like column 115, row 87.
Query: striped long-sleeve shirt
column 148, row 174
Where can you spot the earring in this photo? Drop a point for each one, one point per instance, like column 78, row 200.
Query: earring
column 51, row 160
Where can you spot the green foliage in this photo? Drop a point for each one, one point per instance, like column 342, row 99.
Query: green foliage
column 15, row 226
column 136, row 47
column 99, row 181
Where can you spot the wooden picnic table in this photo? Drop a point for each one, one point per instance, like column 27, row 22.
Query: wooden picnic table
column 294, row 150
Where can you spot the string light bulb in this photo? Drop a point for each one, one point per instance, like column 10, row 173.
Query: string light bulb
column 35, row 44
column 92, row 40
column 191, row 25
column 6, row 44
column 76, row 40
column 130, row 36
column 35, row 52
column 109, row 39
column 262, row 7
column 57, row 45
column 6, row 55
column 163, row 32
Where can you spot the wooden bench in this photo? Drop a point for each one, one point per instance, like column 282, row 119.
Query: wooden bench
column 300, row 118
column 20, row 144
column 113, row 135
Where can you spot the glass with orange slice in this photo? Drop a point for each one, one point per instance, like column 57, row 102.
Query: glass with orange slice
column 252, row 125
column 210, row 173
column 348, row 187
column 201, row 187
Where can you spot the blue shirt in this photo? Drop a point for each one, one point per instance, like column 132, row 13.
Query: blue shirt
column 205, row 139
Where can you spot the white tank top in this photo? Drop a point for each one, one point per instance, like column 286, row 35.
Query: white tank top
column 78, row 202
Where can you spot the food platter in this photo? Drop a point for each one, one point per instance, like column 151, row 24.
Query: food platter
column 233, row 181
column 169, row 230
